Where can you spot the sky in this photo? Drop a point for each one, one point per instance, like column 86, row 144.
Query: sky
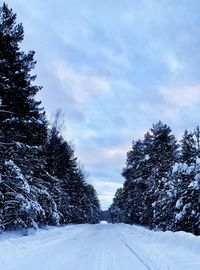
column 114, row 68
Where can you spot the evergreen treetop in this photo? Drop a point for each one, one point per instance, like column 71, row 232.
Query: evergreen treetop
column 21, row 118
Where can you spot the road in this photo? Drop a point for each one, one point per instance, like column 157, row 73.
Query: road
column 99, row 247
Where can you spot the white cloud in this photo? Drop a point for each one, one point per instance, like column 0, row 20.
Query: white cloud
column 80, row 86
column 173, row 102
column 106, row 191
column 181, row 96
column 96, row 156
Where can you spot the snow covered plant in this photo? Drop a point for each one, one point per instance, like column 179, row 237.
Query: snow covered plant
column 41, row 181
column 162, row 182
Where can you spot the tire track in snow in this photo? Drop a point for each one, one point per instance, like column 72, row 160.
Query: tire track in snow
column 159, row 256
column 119, row 235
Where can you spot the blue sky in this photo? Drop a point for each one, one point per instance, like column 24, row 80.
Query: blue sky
column 114, row 68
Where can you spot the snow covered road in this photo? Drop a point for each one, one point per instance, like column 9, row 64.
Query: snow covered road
column 100, row 247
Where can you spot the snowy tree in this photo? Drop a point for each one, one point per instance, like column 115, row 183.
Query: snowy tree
column 186, row 206
column 162, row 149
column 197, row 140
column 21, row 122
column 163, row 152
column 27, row 196
column 77, row 201
column 135, row 160
column 21, row 119
column 188, row 148
column 40, row 179
column 91, row 205
column 115, row 211
column 147, row 166
column 135, row 186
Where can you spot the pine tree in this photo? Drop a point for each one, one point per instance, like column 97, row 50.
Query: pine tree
column 162, row 149
column 147, row 166
column 134, row 162
column 197, row 140
column 77, row 201
column 188, row 148
column 21, row 124
column 41, row 181
column 163, row 154
column 115, row 211
column 179, row 201
column 26, row 201
column 21, row 119
column 91, row 204
column 135, row 184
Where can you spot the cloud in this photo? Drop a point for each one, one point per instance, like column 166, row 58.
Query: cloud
column 79, row 85
column 181, row 96
column 173, row 104
column 110, row 71
column 97, row 156
column 106, row 191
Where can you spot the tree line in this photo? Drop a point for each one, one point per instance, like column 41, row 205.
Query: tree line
column 41, row 181
column 162, row 182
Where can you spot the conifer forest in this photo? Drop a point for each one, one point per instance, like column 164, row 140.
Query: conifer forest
column 41, row 179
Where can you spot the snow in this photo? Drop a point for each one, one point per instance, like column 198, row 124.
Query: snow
column 179, row 203
column 18, row 174
column 179, row 216
column 180, row 167
column 99, row 247
column 104, row 222
column 147, row 157
column 194, row 185
column 197, row 177
column 198, row 161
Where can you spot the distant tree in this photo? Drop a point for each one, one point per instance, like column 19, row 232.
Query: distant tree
column 104, row 216
column 116, row 209
column 197, row 140
column 91, row 204
column 77, row 201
